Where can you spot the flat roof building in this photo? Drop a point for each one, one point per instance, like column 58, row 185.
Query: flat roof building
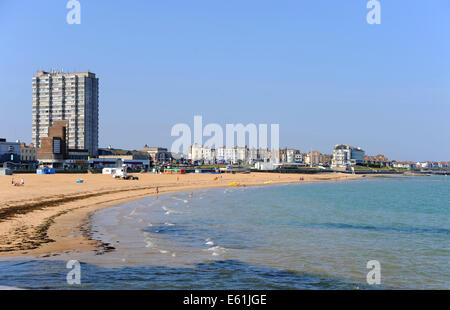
column 53, row 149
column 345, row 156
column 9, row 151
column 66, row 96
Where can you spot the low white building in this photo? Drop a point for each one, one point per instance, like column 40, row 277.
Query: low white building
column 264, row 166
column 404, row 165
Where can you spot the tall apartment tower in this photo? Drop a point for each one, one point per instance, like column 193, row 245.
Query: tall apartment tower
column 67, row 96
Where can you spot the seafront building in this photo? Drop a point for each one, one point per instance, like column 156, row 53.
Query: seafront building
column 195, row 152
column 158, row 154
column 345, row 156
column 109, row 157
column 404, row 165
column 313, row 158
column 27, row 153
column 379, row 159
column 235, row 155
column 290, row 155
column 209, row 154
column 55, row 152
column 9, row 151
column 444, row 164
column 293, row 156
column 110, row 153
column 428, row 164
column 53, row 148
column 66, row 96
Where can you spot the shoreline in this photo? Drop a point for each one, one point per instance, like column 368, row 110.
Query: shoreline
column 57, row 223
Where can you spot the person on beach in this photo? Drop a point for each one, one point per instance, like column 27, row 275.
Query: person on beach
column 22, row 182
column 191, row 194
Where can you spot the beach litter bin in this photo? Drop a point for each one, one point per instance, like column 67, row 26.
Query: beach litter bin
column 45, row 171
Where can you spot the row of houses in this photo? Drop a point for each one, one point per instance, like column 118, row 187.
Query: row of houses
column 209, row 155
column 344, row 156
column 244, row 155
column 54, row 152
column 410, row 165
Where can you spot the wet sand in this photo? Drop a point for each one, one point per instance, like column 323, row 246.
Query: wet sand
column 49, row 213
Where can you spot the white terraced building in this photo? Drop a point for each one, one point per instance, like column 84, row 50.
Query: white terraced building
column 231, row 155
column 67, row 96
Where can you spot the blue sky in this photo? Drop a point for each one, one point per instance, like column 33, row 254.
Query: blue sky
column 314, row 67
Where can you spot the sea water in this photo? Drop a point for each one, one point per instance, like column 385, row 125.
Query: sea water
column 298, row 236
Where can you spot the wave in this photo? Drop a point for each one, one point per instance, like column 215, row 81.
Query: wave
column 380, row 228
column 10, row 288
column 171, row 211
column 217, row 250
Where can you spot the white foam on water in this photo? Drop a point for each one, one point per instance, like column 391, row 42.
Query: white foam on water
column 217, row 250
column 10, row 288
column 170, row 211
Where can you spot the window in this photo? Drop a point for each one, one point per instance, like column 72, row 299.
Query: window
column 57, row 146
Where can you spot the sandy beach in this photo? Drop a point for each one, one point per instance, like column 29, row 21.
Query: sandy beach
column 49, row 213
